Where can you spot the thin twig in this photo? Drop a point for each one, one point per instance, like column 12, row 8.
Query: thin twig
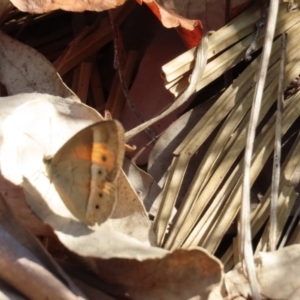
column 277, row 150
column 246, row 245
column 119, row 65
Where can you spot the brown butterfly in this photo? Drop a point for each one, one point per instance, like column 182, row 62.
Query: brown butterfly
column 85, row 169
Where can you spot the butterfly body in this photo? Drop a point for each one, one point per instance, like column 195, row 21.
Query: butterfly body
column 84, row 171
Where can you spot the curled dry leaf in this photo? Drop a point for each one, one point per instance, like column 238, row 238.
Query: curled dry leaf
column 277, row 272
column 181, row 274
column 39, row 128
column 174, row 16
column 190, row 17
column 129, row 216
column 144, row 185
column 189, row 30
column 211, row 13
column 39, row 7
column 20, row 74
column 104, row 241
column 26, row 266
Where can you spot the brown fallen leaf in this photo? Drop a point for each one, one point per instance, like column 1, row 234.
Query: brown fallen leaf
column 189, row 30
column 191, row 17
column 39, row 7
column 178, row 275
column 172, row 15
column 211, row 13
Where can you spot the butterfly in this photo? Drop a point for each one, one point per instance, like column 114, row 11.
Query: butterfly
column 85, row 169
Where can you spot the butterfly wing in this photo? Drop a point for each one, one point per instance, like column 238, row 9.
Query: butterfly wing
column 85, row 168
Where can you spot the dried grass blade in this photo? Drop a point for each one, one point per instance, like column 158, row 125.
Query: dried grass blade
column 236, row 144
column 261, row 214
column 277, row 151
column 245, row 233
column 164, row 213
column 196, row 199
column 263, row 149
column 286, row 201
column 292, row 70
column 228, row 35
column 235, row 54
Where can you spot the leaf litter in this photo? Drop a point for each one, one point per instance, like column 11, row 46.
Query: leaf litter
column 193, row 185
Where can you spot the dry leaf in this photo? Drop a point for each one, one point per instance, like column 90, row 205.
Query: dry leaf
column 144, row 185
column 183, row 269
column 39, row 7
column 277, row 272
column 211, row 13
column 10, row 186
column 39, row 128
column 170, row 16
column 146, row 188
column 190, row 16
column 20, row 74
column 129, row 216
column 11, row 176
column 182, row 274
